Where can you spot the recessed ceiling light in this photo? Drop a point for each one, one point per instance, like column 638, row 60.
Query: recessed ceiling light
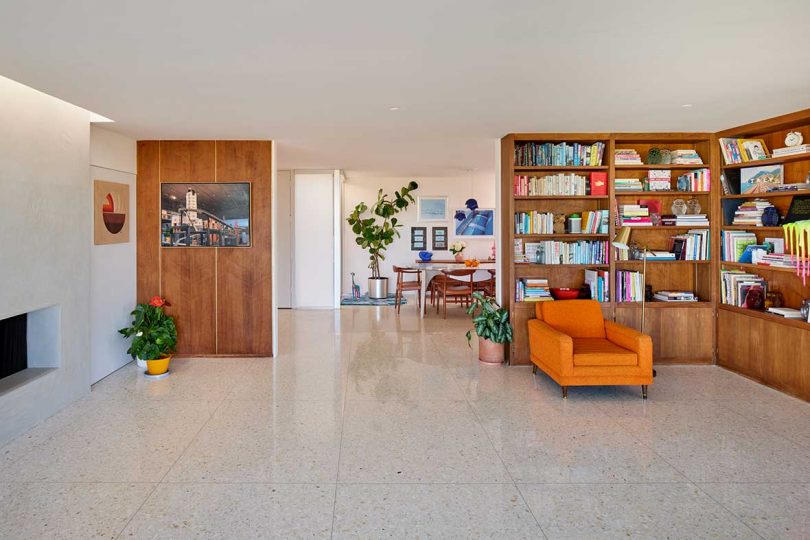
column 686, row 105
column 393, row 108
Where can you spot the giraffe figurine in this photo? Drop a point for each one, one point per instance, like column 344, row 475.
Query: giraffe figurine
column 355, row 289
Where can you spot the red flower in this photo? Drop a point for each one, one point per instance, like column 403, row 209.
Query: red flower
column 157, row 301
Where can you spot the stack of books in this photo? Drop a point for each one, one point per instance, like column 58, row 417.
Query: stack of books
column 628, row 184
column 553, row 184
column 654, row 255
column 555, row 252
column 532, row 290
column 635, row 215
column 791, row 150
column 598, row 281
column 697, row 180
column 692, row 220
column 659, row 180
column 804, row 186
column 750, row 213
column 532, row 154
column 778, row 260
column 686, row 157
column 692, row 246
column 629, row 286
column 675, row 296
column 626, row 157
column 735, row 284
column 786, row 312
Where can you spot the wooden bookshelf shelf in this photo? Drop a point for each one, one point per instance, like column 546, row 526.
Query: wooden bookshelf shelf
column 767, row 195
column 634, row 262
column 537, row 265
column 670, row 167
column 653, row 194
column 561, row 197
column 663, row 305
column 561, row 236
column 559, row 168
column 757, row 267
column 769, row 161
column 752, row 228
column 764, row 315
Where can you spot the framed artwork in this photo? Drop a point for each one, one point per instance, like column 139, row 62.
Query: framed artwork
column 439, row 238
column 431, row 208
column 418, row 238
column 110, row 212
column 205, row 214
column 759, row 179
column 478, row 223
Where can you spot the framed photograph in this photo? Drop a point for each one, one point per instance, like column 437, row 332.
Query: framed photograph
column 439, row 238
column 478, row 223
column 431, row 208
column 110, row 213
column 759, row 179
column 205, row 214
column 418, row 238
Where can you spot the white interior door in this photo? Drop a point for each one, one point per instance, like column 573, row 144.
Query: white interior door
column 314, row 249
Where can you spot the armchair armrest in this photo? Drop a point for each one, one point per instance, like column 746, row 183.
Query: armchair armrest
column 552, row 346
column 626, row 337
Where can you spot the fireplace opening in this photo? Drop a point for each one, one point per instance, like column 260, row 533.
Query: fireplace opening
column 13, row 345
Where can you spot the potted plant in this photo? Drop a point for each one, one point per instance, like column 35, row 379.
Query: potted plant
column 153, row 334
column 376, row 227
column 457, row 248
column 492, row 326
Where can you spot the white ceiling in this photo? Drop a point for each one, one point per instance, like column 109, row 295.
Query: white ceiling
column 320, row 76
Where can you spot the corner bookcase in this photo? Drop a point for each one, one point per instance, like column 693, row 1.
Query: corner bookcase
column 682, row 332
column 766, row 347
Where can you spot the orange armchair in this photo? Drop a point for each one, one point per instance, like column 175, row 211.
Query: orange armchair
column 573, row 344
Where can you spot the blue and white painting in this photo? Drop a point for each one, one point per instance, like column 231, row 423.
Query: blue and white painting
column 432, row 208
column 479, row 222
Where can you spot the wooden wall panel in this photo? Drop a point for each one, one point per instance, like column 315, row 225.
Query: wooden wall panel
column 221, row 297
column 243, row 275
column 775, row 354
column 681, row 335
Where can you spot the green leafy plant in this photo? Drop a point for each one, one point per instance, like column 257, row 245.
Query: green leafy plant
column 375, row 225
column 489, row 319
column 153, row 333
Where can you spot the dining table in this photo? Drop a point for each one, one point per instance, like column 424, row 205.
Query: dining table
column 430, row 269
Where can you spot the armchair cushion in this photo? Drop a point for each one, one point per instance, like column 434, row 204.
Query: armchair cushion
column 626, row 337
column 576, row 318
column 601, row 352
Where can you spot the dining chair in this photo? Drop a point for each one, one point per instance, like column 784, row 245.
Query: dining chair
column 452, row 285
column 486, row 286
column 408, row 285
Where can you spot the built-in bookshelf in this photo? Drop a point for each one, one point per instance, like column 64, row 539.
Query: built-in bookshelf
column 767, row 347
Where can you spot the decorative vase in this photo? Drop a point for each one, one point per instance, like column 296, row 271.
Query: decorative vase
column 770, row 217
column 158, row 366
column 460, row 256
column 489, row 352
column 378, row 288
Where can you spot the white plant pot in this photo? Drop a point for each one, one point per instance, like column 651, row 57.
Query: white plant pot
column 378, row 288
column 141, row 363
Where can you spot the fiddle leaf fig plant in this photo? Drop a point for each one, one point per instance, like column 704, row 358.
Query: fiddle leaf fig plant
column 375, row 225
column 489, row 319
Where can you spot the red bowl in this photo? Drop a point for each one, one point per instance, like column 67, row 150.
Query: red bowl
column 564, row 293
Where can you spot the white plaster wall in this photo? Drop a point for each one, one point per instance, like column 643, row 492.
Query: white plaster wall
column 113, row 157
column 45, row 238
column 361, row 188
column 313, row 240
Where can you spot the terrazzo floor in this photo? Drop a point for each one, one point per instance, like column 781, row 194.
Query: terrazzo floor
column 369, row 425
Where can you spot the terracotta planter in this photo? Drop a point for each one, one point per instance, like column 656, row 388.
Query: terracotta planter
column 490, row 352
column 158, row 366
column 460, row 257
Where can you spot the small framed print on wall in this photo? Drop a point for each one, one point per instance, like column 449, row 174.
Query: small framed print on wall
column 418, row 238
column 439, row 238
column 431, row 208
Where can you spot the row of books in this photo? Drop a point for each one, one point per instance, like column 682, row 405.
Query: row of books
column 697, row 180
column 742, row 150
column 598, row 281
column 592, row 222
column 561, row 184
column 533, row 154
column 629, row 286
column 556, row 252
column 749, row 213
column 735, row 285
column 532, row 290
column 694, row 245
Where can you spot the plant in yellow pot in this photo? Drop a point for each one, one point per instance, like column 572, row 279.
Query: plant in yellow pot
column 492, row 326
column 153, row 334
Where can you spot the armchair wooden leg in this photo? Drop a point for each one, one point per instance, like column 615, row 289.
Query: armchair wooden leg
column 534, row 369
column 643, row 391
column 564, row 392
